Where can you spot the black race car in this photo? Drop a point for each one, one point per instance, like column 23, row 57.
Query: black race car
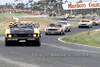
column 22, row 33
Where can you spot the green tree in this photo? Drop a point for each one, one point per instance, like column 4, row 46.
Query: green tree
column 8, row 5
column 31, row 2
column 80, row 1
column 37, row 6
column 20, row 6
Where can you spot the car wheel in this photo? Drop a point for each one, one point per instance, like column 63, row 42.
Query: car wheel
column 69, row 30
column 66, row 29
column 37, row 43
column 91, row 26
column 46, row 33
column 7, row 43
column 96, row 24
column 79, row 27
column 61, row 33
column 40, row 35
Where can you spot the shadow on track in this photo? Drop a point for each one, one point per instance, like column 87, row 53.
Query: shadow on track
column 22, row 45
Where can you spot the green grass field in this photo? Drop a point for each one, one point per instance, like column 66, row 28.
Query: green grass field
column 43, row 21
column 8, row 17
column 5, row 18
column 91, row 38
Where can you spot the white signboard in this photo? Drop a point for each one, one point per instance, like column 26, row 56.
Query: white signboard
column 86, row 5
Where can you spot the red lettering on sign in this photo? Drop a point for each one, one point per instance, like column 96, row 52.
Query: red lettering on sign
column 94, row 4
column 77, row 5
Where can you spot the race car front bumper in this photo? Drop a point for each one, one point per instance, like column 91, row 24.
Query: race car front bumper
column 53, row 32
column 83, row 25
column 23, row 40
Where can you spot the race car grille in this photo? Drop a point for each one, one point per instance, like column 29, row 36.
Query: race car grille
column 83, row 24
column 22, row 35
column 52, row 29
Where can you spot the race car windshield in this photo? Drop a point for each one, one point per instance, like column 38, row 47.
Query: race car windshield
column 22, row 26
column 55, row 25
column 85, row 21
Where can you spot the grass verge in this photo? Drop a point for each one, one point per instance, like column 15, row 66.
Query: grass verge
column 43, row 21
column 91, row 38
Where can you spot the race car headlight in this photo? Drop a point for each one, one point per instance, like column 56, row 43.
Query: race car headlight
column 9, row 36
column 45, row 29
column 59, row 29
column 88, row 24
column 34, row 35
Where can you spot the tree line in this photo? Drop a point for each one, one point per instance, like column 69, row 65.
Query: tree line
column 54, row 6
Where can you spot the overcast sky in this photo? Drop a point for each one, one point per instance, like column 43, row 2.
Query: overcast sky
column 25, row 1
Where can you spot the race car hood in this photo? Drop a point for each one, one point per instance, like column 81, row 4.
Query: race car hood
column 21, row 31
column 66, row 25
column 84, row 23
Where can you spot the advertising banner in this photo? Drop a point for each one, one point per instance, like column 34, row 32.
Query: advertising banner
column 86, row 5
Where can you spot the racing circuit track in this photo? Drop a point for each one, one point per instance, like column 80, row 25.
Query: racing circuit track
column 51, row 53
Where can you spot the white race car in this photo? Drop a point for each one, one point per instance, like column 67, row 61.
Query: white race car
column 85, row 23
column 67, row 25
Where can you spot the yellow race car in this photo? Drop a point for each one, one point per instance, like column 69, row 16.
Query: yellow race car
column 96, row 21
column 22, row 32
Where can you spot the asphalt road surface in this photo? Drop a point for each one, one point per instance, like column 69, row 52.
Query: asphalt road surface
column 51, row 53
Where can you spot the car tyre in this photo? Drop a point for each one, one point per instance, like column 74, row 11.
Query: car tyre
column 65, row 30
column 91, row 26
column 7, row 43
column 69, row 30
column 96, row 24
column 61, row 33
column 46, row 33
column 38, row 42
column 79, row 27
column 88, row 26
